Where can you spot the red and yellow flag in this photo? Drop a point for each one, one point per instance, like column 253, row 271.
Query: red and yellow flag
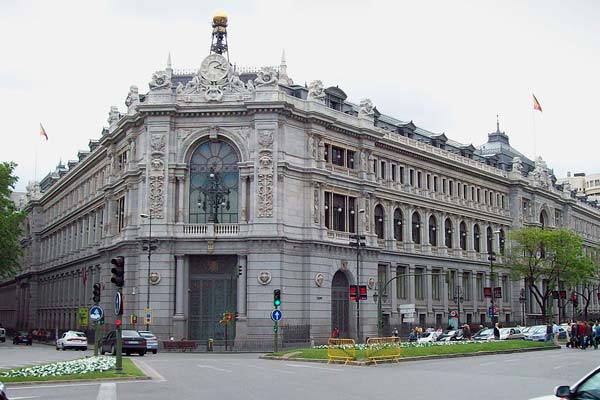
column 536, row 104
column 43, row 131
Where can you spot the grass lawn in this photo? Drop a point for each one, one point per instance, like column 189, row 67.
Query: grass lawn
column 129, row 371
column 312, row 353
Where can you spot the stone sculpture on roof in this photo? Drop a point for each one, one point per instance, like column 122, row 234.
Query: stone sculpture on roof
column 160, row 80
column 266, row 77
column 316, row 91
column 366, row 108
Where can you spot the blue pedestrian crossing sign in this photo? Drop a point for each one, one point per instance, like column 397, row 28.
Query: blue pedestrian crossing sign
column 276, row 315
column 96, row 313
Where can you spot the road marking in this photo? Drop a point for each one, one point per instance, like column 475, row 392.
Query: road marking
column 313, row 367
column 559, row 366
column 148, row 370
column 511, row 360
column 25, row 397
column 490, row 363
column 268, row 369
column 107, row 391
column 11, row 388
column 215, row 368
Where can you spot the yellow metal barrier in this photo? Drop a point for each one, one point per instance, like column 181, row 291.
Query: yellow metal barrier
column 341, row 349
column 383, row 348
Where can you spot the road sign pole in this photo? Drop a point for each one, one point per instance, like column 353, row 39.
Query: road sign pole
column 119, row 363
column 276, row 329
column 96, row 334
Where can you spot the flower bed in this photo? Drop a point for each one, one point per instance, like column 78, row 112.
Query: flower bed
column 405, row 345
column 73, row 367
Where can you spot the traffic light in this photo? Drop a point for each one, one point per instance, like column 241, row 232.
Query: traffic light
column 118, row 323
column 240, row 270
column 118, row 271
column 97, row 292
column 276, row 297
column 575, row 302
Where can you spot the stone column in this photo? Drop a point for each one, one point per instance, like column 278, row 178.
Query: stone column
column 179, row 318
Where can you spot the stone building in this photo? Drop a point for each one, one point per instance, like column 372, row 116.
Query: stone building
column 253, row 183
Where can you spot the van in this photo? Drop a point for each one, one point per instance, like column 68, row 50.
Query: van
column 2, row 335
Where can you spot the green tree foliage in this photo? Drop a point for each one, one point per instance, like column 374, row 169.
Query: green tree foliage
column 547, row 256
column 10, row 221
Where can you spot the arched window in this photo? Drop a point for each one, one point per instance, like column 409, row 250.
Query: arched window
column 213, row 183
column 448, row 233
column 398, row 224
column 379, row 221
column 490, row 238
column 476, row 238
column 501, row 238
column 416, row 228
column 432, row 231
column 463, row 235
column 543, row 219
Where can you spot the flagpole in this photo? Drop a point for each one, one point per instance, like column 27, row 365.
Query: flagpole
column 534, row 134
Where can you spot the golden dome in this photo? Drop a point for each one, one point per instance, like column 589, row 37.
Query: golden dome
column 220, row 18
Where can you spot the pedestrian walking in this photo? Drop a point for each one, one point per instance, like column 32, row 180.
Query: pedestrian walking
column 497, row 331
column 395, row 332
column 548, row 333
column 335, row 333
column 555, row 332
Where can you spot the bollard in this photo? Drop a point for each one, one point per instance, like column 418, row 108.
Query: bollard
column 209, row 345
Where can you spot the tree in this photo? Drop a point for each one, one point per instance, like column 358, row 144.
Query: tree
column 10, row 221
column 543, row 257
column 590, row 286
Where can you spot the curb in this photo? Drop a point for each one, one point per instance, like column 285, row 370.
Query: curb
column 411, row 359
column 58, row 381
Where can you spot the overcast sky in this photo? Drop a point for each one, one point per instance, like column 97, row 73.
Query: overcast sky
column 449, row 66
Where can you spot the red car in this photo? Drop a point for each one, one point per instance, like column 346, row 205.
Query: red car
column 23, row 337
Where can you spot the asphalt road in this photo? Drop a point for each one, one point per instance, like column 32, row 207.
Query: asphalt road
column 14, row 356
column 244, row 376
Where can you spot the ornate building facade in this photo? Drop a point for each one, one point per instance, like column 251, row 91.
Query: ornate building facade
column 253, row 183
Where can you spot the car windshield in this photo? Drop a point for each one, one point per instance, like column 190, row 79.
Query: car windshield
column 23, row 333
column 130, row 334
column 76, row 334
column 485, row 332
column 146, row 334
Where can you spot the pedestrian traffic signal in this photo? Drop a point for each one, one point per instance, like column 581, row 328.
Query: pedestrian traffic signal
column 575, row 302
column 118, row 323
column 97, row 292
column 276, row 297
column 118, row 271
column 240, row 270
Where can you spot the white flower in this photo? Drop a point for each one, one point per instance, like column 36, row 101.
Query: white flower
column 81, row 366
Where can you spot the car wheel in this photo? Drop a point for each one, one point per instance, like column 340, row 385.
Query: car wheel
column 128, row 353
column 56, row 348
column 102, row 351
column 142, row 353
column 62, row 347
column 84, row 349
column 154, row 351
column 113, row 350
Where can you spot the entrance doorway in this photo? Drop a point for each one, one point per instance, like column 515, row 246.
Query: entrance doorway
column 340, row 304
column 213, row 289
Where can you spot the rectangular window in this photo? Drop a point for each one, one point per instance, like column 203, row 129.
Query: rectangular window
column 458, row 189
column 444, row 189
column 419, row 179
column 451, row 188
column 327, row 207
column 339, row 208
column 478, row 195
column 479, row 283
column 435, row 184
column 505, row 289
column 337, row 156
column 121, row 213
column 401, row 174
column 350, row 159
column 428, row 182
column 375, row 167
column 435, row 284
column 327, row 152
column 411, row 177
column 382, row 278
column 419, row 284
column 122, row 160
column 394, row 177
column 452, row 284
column 467, row 285
column 401, row 282
column 382, row 172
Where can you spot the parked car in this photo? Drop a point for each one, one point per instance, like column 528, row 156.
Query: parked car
column 451, row 336
column 151, row 341
column 537, row 333
column 3, row 395
column 428, row 337
column 72, row 340
column 511, row 334
column 484, row 334
column 22, row 337
column 587, row 387
column 2, row 335
column 132, row 342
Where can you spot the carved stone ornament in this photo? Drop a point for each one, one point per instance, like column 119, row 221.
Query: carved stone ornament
column 371, row 283
column 182, row 134
column 540, row 174
column 312, row 146
column 344, row 265
column 113, row 115
column 160, row 80
column 154, row 278
column 210, row 246
column 133, row 97
column 319, row 279
column 316, row 208
column 367, row 213
column 316, row 91
column 265, row 184
column 157, row 164
column 266, row 77
column 157, row 195
column 158, row 143
column 265, row 138
column 517, row 164
column 264, row 277
column 366, row 108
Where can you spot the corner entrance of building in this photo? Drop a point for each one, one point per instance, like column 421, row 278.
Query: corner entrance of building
column 213, row 289
column 340, row 304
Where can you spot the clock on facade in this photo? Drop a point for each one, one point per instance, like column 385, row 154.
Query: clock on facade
column 214, row 68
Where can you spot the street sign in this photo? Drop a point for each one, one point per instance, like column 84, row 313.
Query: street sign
column 453, row 314
column 148, row 316
column 118, row 303
column 496, row 311
column 96, row 313
column 408, row 320
column 83, row 316
column 276, row 315
column 407, row 308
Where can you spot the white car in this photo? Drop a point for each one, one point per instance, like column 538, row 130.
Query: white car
column 428, row 337
column 72, row 340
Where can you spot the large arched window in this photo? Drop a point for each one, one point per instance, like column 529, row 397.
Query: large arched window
column 416, row 228
column 448, row 233
column 490, row 238
column 476, row 238
column 379, row 221
column 214, row 183
column 432, row 231
column 463, row 235
column 398, row 224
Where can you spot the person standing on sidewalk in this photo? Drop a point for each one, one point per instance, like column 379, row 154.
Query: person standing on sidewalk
column 555, row 332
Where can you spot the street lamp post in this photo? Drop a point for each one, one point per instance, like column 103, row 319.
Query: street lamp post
column 458, row 298
column 149, row 216
column 492, row 258
column 215, row 196
column 359, row 242
column 522, row 300
column 379, row 298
